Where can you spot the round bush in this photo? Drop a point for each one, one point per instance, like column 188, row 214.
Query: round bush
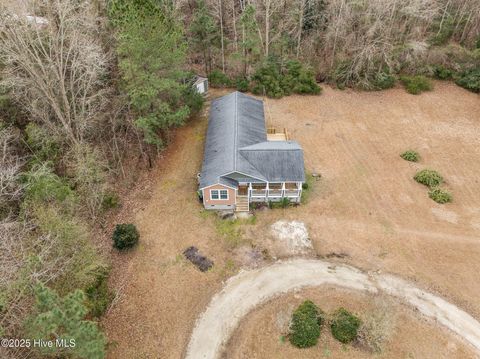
column 440, row 196
column 344, row 326
column 410, row 155
column 305, row 325
column 428, row 178
column 125, row 236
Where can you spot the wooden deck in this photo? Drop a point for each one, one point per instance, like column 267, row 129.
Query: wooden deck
column 274, row 135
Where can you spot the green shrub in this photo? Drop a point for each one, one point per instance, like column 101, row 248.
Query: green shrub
column 44, row 186
column 383, row 81
column 267, row 81
column 217, row 78
column 442, row 73
column 305, row 325
column 411, row 156
column 193, row 100
column 242, row 84
column 440, row 196
column 273, row 81
column 99, row 296
column 344, row 325
column 416, row 84
column 110, row 200
column 470, row 80
column 299, row 79
column 125, row 236
column 285, row 202
column 428, row 178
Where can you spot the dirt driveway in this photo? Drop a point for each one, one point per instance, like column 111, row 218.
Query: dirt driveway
column 249, row 289
column 366, row 206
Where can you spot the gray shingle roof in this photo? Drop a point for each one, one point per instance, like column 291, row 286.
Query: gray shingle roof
column 278, row 161
column 237, row 142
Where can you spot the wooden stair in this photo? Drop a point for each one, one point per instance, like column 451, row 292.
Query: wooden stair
column 242, row 204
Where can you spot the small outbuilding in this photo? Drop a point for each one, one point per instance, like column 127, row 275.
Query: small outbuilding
column 200, row 84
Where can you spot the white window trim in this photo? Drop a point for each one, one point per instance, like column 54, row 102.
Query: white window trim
column 219, row 196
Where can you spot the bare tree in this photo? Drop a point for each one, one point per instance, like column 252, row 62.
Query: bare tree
column 10, row 164
column 55, row 70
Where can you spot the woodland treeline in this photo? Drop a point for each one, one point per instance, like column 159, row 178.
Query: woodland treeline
column 90, row 90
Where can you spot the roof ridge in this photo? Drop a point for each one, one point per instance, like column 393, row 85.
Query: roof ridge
column 235, row 134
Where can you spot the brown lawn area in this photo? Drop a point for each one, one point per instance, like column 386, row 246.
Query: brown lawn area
column 260, row 335
column 366, row 205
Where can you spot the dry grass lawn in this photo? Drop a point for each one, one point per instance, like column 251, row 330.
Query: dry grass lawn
column 261, row 335
column 366, row 205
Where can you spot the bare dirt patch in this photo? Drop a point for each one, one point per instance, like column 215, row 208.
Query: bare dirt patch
column 260, row 335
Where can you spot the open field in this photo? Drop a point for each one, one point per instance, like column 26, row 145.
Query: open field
column 366, row 206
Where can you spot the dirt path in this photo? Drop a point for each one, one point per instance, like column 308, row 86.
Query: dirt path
column 248, row 289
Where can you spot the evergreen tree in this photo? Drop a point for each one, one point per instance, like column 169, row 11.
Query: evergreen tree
column 250, row 39
column 204, row 34
column 152, row 51
column 64, row 319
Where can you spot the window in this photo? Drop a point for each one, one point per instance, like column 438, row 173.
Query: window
column 218, row 194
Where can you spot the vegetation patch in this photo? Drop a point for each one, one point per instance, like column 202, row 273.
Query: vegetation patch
column 429, row 178
column 217, row 78
column 411, row 156
column 305, row 325
column 376, row 328
column 440, row 196
column 442, row 73
column 272, row 80
column 98, row 295
column 470, row 80
column 383, row 81
column 416, row 84
column 344, row 325
column 60, row 318
column 125, row 236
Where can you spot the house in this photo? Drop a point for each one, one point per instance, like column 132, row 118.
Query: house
column 200, row 84
column 244, row 164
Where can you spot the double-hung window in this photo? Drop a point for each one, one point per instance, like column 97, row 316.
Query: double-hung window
column 219, row 194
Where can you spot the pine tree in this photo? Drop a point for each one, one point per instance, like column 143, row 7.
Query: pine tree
column 204, row 34
column 64, row 319
column 152, row 52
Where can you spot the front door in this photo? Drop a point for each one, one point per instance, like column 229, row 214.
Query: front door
column 243, row 190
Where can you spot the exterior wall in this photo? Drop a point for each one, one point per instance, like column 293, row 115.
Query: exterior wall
column 219, row 203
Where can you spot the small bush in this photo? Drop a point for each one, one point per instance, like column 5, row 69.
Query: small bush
column 218, row 79
column 99, row 296
column 440, row 196
column 411, row 156
column 416, row 84
column 305, row 325
column 242, row 84
column 344, row 326
column 383, row 81
column 470, row 80
column 428, row 178
column 110, row 200
column 125, row 236
column 442, row 73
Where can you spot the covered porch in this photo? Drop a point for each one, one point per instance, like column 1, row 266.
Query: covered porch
column 264, row 192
